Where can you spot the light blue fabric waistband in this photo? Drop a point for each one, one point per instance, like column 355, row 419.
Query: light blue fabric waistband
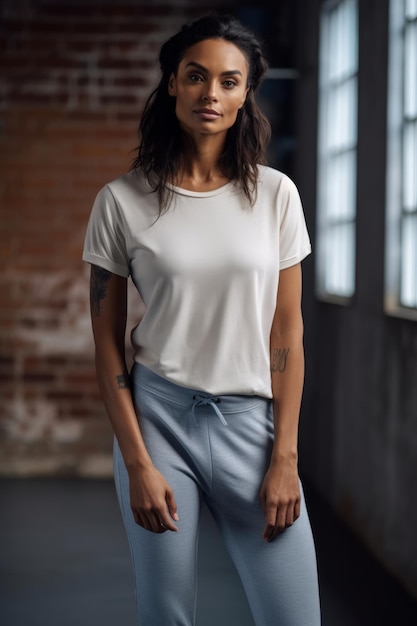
column 192, row 399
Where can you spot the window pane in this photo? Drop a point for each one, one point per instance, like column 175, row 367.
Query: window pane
column 341, row 188
column 334, row 61
column 340, row 260
column 410, row 167
column 410, row 9
column 410, row 71
column 342, row 35
column 333, row 122
column 348, row 114
column 409, row 261
column 350, row 33
column 340, row 119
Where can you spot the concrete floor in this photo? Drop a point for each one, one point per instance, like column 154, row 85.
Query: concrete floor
column 64, row 561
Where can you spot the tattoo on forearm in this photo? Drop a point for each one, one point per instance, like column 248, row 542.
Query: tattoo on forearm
column 123, row 381
column 98, row 287
column 279, row 359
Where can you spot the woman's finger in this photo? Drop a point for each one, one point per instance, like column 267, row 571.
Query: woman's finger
column 282, row 513
column 297, row 509
column 166, row 522
column 171, row 504
column 157, row 526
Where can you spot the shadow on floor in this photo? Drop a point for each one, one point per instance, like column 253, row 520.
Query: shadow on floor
column 64, row 561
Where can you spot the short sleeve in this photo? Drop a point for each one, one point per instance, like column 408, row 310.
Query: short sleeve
column 294, row 239
column 105, row 242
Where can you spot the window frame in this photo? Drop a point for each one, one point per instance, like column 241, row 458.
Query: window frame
column 397, row 121
column 330, row 88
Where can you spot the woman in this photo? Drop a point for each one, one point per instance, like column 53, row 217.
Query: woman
column 213, row 241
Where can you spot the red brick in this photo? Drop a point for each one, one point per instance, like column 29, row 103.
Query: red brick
column 57, row 148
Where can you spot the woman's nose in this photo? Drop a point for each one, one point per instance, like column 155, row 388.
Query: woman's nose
column 210, row 93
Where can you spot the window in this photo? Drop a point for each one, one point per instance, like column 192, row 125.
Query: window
column 401, row 238
column 337, row 139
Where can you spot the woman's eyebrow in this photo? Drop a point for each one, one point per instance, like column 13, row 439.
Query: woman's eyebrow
column 205, row 70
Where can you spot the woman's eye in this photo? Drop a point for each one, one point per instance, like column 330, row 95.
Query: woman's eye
column 229, row 84
column 195, row 78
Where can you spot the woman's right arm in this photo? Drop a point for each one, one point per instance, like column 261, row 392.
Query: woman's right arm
column 151, row 498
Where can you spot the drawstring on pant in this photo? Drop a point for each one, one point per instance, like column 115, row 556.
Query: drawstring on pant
column 200, row 400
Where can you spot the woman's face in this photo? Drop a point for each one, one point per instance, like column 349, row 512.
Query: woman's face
column 210, row 87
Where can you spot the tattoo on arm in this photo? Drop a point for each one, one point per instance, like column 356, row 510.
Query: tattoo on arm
column 98, row 287
column 123, row 381
column 279, row 359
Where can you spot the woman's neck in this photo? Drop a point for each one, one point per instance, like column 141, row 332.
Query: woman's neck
column 200, row 169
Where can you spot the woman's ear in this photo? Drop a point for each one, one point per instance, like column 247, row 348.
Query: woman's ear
column 172, row 85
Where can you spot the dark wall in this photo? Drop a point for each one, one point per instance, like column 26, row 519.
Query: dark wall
column 359, row 421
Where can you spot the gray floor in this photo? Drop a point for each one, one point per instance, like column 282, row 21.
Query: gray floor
column 64, row 561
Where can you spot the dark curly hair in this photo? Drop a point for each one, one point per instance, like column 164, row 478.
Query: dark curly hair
column 159, row 154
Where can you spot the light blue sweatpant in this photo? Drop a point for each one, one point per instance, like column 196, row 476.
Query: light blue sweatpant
column 216, row 450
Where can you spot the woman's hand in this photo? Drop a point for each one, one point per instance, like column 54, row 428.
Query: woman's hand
column 152, row 500
column 280, row 498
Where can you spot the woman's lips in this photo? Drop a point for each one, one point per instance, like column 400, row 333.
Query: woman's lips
column 207, row 114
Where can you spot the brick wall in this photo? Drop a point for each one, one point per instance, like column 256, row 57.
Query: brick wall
column 73, row 79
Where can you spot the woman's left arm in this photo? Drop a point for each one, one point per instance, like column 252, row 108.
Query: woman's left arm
column 280, row 493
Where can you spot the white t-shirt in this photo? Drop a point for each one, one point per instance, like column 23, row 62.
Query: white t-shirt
column 207, row 272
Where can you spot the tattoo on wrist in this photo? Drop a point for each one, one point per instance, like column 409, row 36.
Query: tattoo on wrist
column 279, row 359
column 98, row 287
column 123, row 381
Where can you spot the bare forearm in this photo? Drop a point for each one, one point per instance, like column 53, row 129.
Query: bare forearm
column 114, row 385
column 287, row 372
